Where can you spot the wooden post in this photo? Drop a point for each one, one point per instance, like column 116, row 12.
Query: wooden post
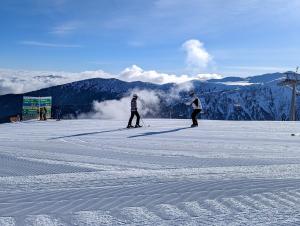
column 292, row 81
column 293, row 103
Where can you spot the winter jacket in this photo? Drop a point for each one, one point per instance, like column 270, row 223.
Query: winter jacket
column 195, row 102
column 133, row 104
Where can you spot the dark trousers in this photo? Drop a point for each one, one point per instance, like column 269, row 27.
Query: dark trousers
column 134, row 113
column 58, row 115
column 194, row 116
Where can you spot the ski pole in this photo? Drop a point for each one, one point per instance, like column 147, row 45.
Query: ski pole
column 141, row 117
column 144, row 123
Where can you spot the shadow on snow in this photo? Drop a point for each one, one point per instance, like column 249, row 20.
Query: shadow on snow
column 159, row 132
column 86, row 134
column 116, row 130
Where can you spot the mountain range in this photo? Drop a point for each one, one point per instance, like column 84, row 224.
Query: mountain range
column 231, row 98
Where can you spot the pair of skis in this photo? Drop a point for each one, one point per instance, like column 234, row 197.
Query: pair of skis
column 295, row 134
column 133, row 127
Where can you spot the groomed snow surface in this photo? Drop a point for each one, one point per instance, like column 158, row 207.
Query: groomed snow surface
column 94, row 172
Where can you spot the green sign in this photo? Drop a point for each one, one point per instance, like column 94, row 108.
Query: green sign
column 33, row 106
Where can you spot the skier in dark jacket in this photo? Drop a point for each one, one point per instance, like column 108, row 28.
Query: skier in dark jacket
column 44, row 114
column 134, row 112
column 197, row 106
column 40, row 113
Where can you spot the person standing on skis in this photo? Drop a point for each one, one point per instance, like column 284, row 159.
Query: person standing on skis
column 44, row 114
column 134, row 112
column 197, row 106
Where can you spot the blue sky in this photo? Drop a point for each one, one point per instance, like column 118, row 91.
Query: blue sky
column 241, row 38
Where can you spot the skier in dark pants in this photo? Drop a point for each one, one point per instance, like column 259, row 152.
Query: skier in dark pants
column 134, row 112
column 44, row 114
column 40, row 113
column 58, row 113
column 197, row 106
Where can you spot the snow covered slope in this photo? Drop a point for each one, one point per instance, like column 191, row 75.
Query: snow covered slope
column 86, row 172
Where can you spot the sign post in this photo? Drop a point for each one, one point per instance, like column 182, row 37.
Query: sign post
column 33, row 105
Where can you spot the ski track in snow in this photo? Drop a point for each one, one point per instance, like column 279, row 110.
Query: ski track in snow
column 94, row 172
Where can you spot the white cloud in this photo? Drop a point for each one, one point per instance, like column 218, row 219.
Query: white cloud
column 136, row 43
column 47, row 44
column 135, row 73
column 197, row 57
column 20, row 81
column 65, row 28
column 207, row 76
column 148, row 102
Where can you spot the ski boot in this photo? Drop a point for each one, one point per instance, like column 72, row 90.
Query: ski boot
column 129, row 126
column 137, row 126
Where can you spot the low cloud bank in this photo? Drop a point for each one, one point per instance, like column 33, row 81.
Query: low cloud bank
column 21, row 81
column 135, row 73
column 148, row 103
